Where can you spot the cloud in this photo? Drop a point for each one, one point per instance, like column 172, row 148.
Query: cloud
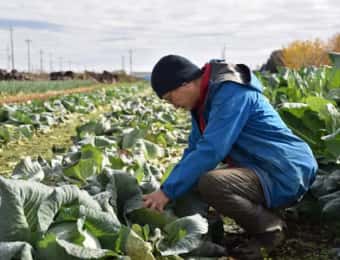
column 97, row 33
column 30, row 24
column 118, row 39
column 204, row 35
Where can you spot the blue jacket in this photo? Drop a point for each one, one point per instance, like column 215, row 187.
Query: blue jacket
column 241, row 123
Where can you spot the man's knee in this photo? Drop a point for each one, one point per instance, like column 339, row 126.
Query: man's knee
column 205, row 182
column 210, row 184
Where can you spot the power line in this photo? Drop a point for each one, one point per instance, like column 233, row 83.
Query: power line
column 1, row 53
column 41, row 61
column 130, row 53
column 224, row 50
column 61, row 63
column 12, row 47
column 51, row 62
column 123, row 63
column 8, row 57
column 28, row 42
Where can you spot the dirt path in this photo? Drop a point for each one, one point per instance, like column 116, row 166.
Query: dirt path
column 43, row 96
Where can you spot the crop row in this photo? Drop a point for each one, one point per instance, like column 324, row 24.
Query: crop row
column 15, row 87
column 87, row 202
column 21, row 120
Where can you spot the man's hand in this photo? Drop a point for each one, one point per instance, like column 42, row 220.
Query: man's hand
column 156, row 200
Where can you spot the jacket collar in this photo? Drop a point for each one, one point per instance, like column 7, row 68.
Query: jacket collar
column 217, row 71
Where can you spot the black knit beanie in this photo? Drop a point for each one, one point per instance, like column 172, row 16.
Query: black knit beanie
column 171, row 71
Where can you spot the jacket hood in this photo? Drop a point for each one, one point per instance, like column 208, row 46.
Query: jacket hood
column 239, row 73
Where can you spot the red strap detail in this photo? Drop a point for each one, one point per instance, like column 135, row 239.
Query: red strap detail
column 203, row 93
column 201, row 102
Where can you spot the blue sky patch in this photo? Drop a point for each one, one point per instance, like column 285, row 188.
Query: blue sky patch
column 30, row 24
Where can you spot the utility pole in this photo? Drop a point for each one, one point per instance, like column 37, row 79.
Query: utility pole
column 61, row 63
column 41, row 61
column 51, row 62
column 224, row 49
column 8, row 58
column 130, row 53
column 28, row 42
column 2, row 51
column 12, row 47
column 123, row 63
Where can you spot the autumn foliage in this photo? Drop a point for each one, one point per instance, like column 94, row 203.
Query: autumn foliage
column 334, row 43
column 309, row 53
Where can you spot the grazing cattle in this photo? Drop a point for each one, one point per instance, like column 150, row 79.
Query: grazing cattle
column 3, row 74
column 68, row 75
column 15, row 75
column 108, row 77
column 104, row 77
column 12, row 75
column 57, row 75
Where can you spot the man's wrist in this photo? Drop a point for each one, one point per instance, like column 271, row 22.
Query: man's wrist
column 166, row 193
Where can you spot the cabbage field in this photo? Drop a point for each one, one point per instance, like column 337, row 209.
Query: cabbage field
column 15, row 87
column 308, row 101
column 86, row 202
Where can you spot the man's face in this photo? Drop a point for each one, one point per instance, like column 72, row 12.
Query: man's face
column 185, row 96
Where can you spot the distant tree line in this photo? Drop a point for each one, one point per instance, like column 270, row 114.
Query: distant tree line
column 300, row 54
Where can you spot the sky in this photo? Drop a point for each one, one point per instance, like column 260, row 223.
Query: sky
column 98, row 35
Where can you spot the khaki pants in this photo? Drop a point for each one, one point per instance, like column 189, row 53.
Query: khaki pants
column 234, row 193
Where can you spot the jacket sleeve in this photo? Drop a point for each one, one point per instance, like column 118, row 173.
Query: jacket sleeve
column 192, row 140
column 229, row 112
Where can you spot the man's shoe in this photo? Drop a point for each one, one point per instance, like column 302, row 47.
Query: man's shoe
column 215, row 230
column 259, row 246
column 208, row 249
column 271, row 240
